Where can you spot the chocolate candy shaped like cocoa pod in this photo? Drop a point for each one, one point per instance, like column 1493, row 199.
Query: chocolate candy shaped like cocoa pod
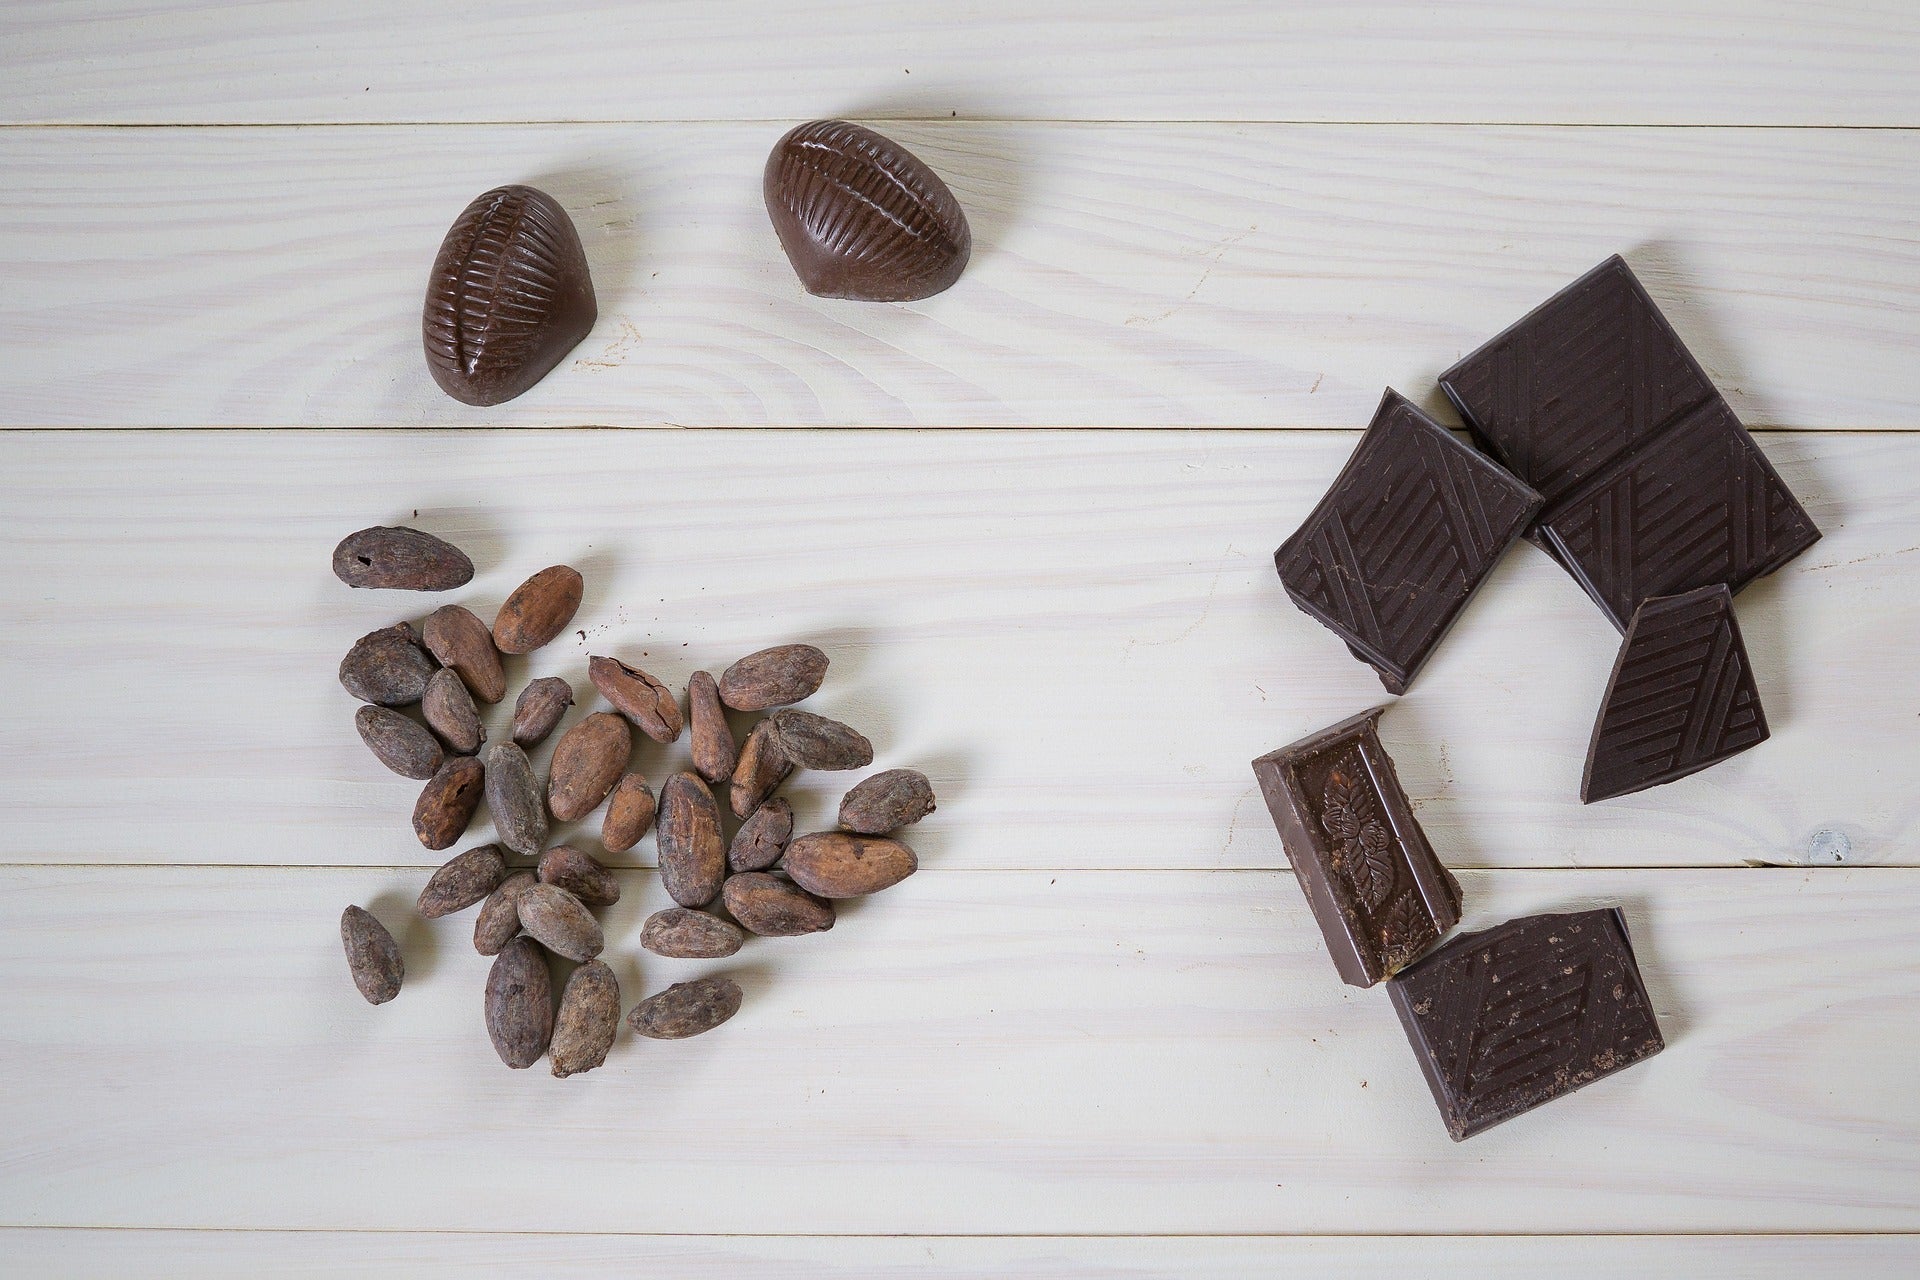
column 509, row 296
column 686, row 1008
column 589, row 1015
column 520, row 1003
column 861, row 217
column 372, row 955
column 400, row 559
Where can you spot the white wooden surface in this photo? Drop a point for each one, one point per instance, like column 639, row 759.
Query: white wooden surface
column 1096, row 1035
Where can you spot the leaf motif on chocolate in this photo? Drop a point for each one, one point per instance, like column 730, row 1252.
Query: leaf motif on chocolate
column 1337, row 804
column 1362, row 847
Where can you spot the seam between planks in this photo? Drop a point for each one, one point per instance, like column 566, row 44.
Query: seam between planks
column 1755, row 1234
column 1115, row 121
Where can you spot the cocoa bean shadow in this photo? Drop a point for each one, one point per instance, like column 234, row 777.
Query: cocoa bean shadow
column 605, row 204
column 419, row 948
column 947, row 771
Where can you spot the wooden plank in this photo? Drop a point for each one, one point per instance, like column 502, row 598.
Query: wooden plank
column 1693, row 61
column 1157, row 275
column 987, row 1052
column 1078, row 635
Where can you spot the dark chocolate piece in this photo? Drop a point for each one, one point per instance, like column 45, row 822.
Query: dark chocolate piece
column 1681, row 697
column 1412, row 526
column 1378, row 893
column 1652, row 486
column 861, row 217
column 509, row 296
column 1517, row 1015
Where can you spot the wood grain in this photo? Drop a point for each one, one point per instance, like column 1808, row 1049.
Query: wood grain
column 1150, row 275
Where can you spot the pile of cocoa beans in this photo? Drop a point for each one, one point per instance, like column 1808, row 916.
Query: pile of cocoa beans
column 536, row 899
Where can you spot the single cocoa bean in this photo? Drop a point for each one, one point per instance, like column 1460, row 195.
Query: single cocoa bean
column 447, row 802
column 387, row 667
column 520, row 1003
column 775, row 677
column 463, row 881
column 513, row 796
column 587, row 761
column 629, row 813
column 637, row 696
column 760, row 769
column 560, row 922
column 449, row 709
column 400, row 743
column 686, row 1009
column 589, row 1015
column 580, row 875
column 538, row 710
column 774, row 908
column 499, row 916
column 538, row 610
column 714, row 751
column 762, row 838
column 403, row 559
column 693, row 860
column 690, row 935
column 838, row 864
column 886, row 802
column 815, row 742
column 461, row 641
column 372, row 955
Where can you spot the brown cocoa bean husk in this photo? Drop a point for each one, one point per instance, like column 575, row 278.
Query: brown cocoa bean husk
column 513, row 797
column 560, row 922
column 387, row 667
column 683, row 934
column 449, row 709
column 589, row 1015
column 815, row 742
column 637, row 696
column 760, row 769
column 630, row 811
column 686, row 1009
column 400, row 559
column 775, row 677
column 499, row 916
column 693, row 859
column 399, row 742
column 447, row 802
column 538, row 709
column 580, row 875
column 538, row 610
column 587, row 761
column 714, row 750
column 762, row 838
column 840, row 864
column 773, row 907
column 463, row 881
column 520, row 1003
column 372, row 955
column 461, row 641
column 886, row 802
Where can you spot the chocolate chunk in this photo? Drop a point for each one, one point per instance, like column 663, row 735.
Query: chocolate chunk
column 509, row 296
column 1378, row 893
column 1518, row 1015
column 1681, row 697
column 1652, row 486
column 1412, row 526
column 861, row 217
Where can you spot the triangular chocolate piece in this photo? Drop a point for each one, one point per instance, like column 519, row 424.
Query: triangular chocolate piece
column 1681, row 698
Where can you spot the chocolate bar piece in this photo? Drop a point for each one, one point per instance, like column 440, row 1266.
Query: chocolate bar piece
column 1652, row 486
column 1681, row 697
column 1378, row 893
column 1412, row 526
column 1515, row 1016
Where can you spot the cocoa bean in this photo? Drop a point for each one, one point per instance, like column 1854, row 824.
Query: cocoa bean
column 403, row 559
column 589, row 1015
column 449, row 709
column 690, row 935
column 463, row 881
column 714, row 751
column 400, row 743
column 693, row 860
column 686, row 1009
column 580, row 875
column 372, row 955
column 538, row 710
column 587, row 761
column 886, row 802
column 538, row 610
column 815, row 742
column 447, row 802
column 499, row 916
column 629, row 814
column 387, row 667
column 461, row 641
column 774, row 908
column 761, row 840
column 560, row 922
column 838, row 864
column 760, row 769
column 520, row 1003
column 513, row 796
column 775, row 677
column 637, row 696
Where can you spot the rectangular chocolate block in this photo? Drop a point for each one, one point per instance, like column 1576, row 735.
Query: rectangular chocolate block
column 1411, row 527
column 1378, row 893
column 1515, row 1016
